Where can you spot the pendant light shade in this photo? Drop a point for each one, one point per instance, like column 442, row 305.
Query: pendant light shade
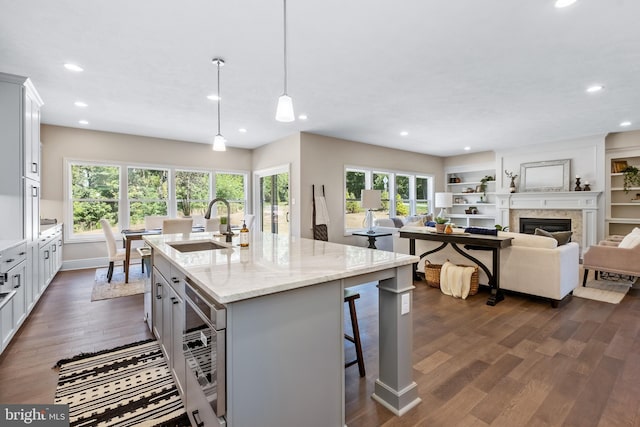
column 284, row 112
column 219, row 142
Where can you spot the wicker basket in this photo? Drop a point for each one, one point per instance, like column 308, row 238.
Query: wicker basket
column 432, row 273
column 432, row 276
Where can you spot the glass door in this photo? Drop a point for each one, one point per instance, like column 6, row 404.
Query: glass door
column 274, row 201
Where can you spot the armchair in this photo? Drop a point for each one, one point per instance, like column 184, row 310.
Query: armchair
column 610, row 257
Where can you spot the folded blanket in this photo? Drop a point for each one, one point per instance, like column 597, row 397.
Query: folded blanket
column 455, row 280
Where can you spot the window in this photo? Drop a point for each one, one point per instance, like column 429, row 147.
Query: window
column 232, row 187
column 403, row 198
column 148, row 194
column 354, row 213
column 422, row 194
column 125, row 194
column 192, row 192
column 95, row 194
column 410, row 192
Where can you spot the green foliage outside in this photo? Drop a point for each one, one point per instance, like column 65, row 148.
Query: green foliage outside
column 231, row 188
column 95, row 194
column 192, row 192
column 148, row 192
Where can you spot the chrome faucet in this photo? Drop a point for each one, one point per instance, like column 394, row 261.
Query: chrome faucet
column 207, row 215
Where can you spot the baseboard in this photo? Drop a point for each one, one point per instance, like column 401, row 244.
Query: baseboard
column 81, row 264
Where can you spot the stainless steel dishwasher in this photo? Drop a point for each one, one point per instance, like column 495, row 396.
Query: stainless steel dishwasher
column 204, row 352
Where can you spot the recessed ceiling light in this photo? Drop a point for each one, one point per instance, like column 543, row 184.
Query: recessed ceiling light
column 564, row 3
column 625, row 124
column 303, row 117
column 83, row 122
column 213, row 97
column 80, row 104
column 73, row 67
column 595, row 88
column 467, row 148
column 242, row 130
column 404, row 133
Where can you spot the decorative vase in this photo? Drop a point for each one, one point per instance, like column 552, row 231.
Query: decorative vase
column 448, row 229
column 578, row 188
column 512, row 186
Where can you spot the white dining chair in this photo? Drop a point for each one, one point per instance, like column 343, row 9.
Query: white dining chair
column 177, row 225
column 114, row 253
column 152, row 222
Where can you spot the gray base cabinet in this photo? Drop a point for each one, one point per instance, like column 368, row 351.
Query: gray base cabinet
column 168, row 316
column 13, row 307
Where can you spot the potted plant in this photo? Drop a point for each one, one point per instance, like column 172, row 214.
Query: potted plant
column 631, row 176
column 440, row 224
column 223, row 224
column 483, row 183
column 186, row 208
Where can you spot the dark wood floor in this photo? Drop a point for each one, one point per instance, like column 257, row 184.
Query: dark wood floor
column 520, row 363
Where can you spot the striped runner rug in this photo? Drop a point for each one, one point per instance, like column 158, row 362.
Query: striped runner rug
column 127, row 386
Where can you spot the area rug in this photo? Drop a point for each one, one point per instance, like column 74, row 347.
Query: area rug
column 611, row 291
column 129, row 385
column 117, row 287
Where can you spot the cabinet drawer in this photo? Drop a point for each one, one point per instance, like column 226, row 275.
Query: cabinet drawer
column 163, row 265
column 13, row 256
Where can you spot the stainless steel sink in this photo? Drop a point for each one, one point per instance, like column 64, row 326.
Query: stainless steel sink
column 205, row 245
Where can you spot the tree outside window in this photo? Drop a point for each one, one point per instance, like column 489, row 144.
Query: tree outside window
column 422, row 195
column 355, row 214
column 95, row 193
column 192, row 192
column 148, row 193
column 231, row 187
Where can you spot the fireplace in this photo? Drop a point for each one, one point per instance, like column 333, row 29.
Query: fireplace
column 529, row 225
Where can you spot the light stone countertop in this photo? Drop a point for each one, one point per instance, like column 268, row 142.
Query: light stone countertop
column 272, row 263
column 8, row 244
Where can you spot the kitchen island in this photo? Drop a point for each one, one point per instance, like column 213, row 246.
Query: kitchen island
column 284, row 338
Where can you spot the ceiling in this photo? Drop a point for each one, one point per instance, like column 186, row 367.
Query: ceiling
column 491, row 74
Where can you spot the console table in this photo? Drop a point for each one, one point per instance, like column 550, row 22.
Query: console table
column 372, row 236
column 493, row 243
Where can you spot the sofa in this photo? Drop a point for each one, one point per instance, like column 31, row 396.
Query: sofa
column 393, row 225
column 533, row 265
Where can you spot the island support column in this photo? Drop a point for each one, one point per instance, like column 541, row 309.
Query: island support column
column 395, row 388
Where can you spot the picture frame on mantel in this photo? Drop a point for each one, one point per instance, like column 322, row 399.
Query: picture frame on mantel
column 552, row 175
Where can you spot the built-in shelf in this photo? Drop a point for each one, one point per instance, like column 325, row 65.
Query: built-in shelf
column 622, row 215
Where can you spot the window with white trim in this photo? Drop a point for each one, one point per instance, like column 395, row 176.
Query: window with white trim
column 125, row 194
column 411, row 192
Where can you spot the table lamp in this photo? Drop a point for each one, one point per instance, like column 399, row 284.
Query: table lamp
column 371, row 200
column 444, row 201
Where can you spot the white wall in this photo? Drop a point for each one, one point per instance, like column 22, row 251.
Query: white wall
column 283, row 152
column 59, row 143
column 323, row 160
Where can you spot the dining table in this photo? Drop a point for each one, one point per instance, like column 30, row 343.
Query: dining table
column 129, row 235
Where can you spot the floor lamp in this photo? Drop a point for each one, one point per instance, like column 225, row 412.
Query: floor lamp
column 371, row 200
column 444, row 201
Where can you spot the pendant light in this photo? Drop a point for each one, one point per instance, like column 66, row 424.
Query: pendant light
column 219, row 143
column 284, row 112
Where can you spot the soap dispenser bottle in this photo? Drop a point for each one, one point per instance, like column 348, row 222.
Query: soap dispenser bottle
column 244, row 235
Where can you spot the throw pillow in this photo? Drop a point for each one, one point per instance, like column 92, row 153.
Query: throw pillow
column 481, row 230
column 631, row 240
column 563, row 237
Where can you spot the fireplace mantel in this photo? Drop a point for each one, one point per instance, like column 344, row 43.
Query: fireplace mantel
column 584, row 201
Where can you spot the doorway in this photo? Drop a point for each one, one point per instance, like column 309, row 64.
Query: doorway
column 273, row 188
